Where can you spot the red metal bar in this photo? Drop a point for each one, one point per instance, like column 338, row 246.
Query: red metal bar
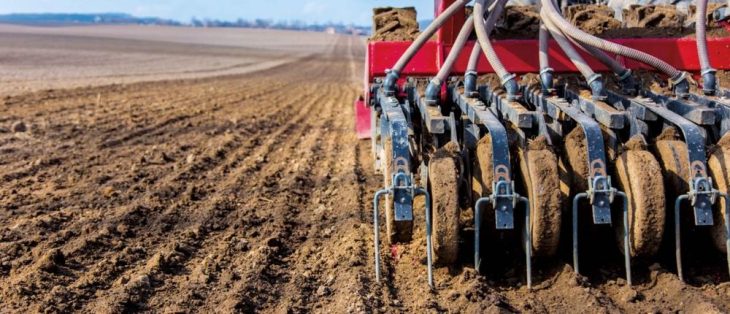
column 520, row 56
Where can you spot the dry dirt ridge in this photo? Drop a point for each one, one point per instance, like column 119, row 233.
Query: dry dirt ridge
column 240, row 194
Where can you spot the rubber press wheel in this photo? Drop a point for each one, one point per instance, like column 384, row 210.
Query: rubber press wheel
column 396, row 231
column 640, row 177
column 576, row 160
column 539, row 173
column 443, row 183
column 719, row 168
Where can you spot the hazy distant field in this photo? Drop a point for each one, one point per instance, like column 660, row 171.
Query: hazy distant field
column 33, row 58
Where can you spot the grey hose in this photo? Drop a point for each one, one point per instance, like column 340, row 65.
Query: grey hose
column 508, row 79
column 679, row 80
column 470, row 80
column 709, row 81
column 626, row 79
column 394, row 73
column 593, row 79
column 434, row 87
column 546, row 72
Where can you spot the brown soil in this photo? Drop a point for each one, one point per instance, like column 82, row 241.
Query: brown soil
column 723, row 78
column 244, row 193
column 518, row 22
column 640, row 177
column 592, row 18
column 539, row 171
column 444, row 187
column 719, row 167
column 394, row 24
column 523, row 22
column 653, row 16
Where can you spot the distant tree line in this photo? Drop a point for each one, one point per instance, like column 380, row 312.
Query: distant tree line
column 123, row 18
column 287, row 25
column 77, row 18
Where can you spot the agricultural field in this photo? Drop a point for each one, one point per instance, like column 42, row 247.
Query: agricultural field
column 215, row 170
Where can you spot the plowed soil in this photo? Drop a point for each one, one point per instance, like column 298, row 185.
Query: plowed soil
column 246, row 193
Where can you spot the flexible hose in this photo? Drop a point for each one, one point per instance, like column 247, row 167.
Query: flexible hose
column 470, row 79
column 394, row 73
column 708, row 73
column 592, row 78
column 625, row 77
column 546, row 72
column 678, row 78
column 461, row 39
column 495, row 10
column 508, row 79
column 434, row 87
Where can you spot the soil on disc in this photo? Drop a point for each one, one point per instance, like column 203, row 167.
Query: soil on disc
column 244, row 193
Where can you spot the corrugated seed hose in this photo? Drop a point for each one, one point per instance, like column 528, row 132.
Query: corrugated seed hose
column 392, row 77
column 507, row 79
column 593, row 79
column 546, row 72
column 433, row 90
column 678, row 79
column 470, row 79
column 709, row 81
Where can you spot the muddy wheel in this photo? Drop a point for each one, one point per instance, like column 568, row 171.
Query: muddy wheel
column 539, row 173
column 443, row 183
column 674, row 160
column 719, row 167
column 482, row 176
column 396, row 231
column 640, row 177
column 482, row 168
column 576, row 157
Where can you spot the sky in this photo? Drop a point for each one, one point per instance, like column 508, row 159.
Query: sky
column 347, row 11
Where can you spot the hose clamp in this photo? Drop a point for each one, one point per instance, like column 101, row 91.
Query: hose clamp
column 508, row 77
column 471, row 73
column 546, row 70
column 594, row 77
column 708, row 70
column 625, row 75
column 673, row 81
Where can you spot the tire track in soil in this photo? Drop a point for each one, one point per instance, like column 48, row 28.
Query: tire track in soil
column 229, row 186
column 267, row 196
column 260, row 165
column 126, row 213
column 37, row 168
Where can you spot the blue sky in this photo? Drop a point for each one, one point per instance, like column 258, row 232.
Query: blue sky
column 355, row 11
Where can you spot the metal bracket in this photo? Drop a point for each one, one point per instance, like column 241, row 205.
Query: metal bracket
column 396, row 125
column 627, row 236
column 478, row 113
column 694, row 136
column 677, row 226
column 514, row 199
column 412, row 190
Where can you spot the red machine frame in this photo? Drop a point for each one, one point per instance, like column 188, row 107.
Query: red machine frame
column 521, row 56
